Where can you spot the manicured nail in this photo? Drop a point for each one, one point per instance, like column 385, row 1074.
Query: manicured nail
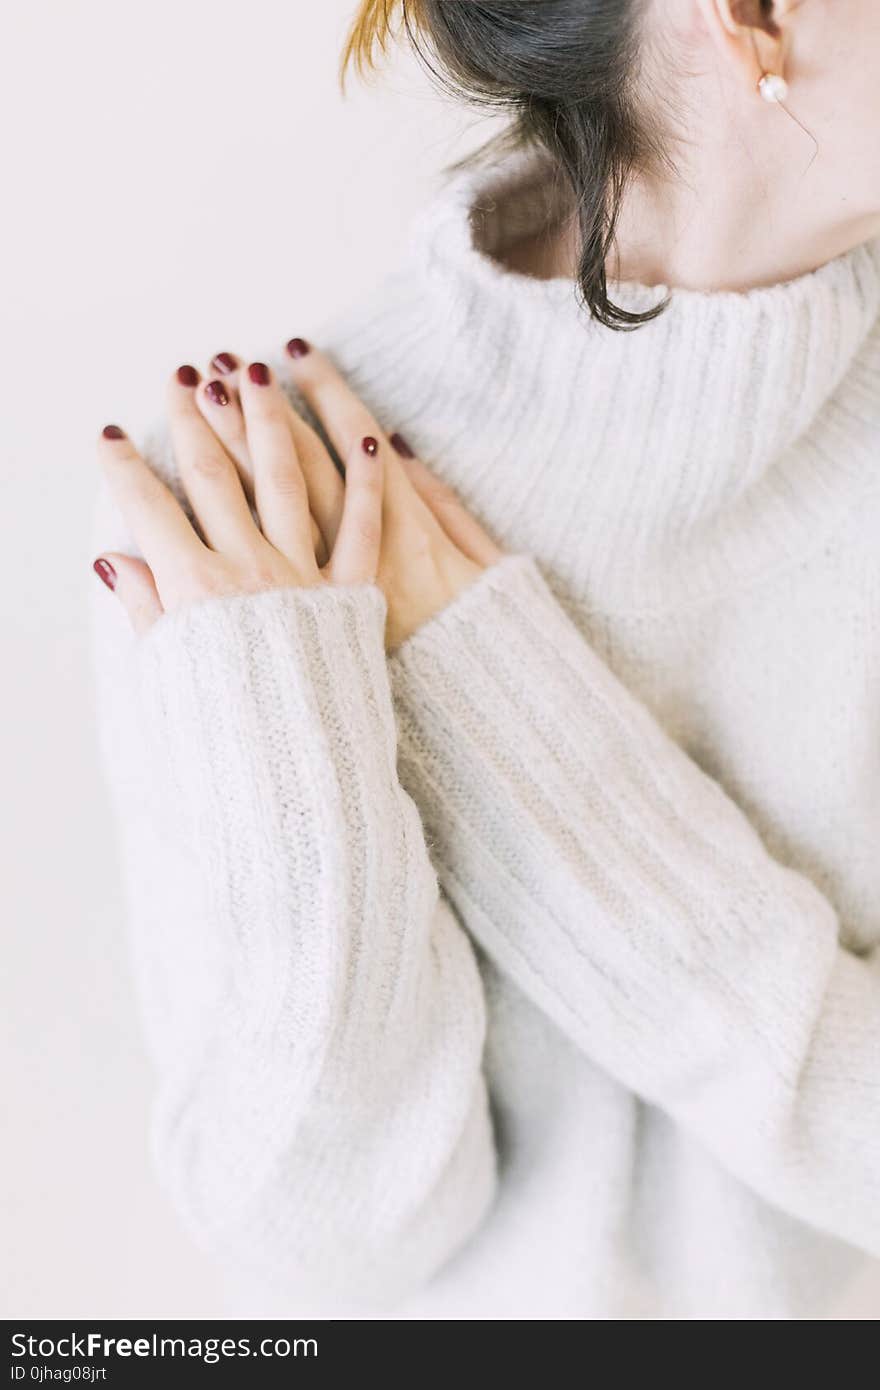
column 370, row 445
column 399, row 443
column 224, row 362
column 188, row 376
column 298, row 347
column 216, row 392
column 259, row 373
column 113, row 432
column 105, row 572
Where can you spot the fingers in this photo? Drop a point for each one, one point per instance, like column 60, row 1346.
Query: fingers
column 408, row 483
column 218, row 399
column 325, row 487
column 344, row 417
column 460, row 526
column 359, row 541
column 152, row 513
column 133, row 584
column 342, row 413
column 279, row 485
column 207, row 472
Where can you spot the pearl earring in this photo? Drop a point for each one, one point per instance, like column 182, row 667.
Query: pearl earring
column 773, row 87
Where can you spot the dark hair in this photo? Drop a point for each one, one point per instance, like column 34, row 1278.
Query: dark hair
column 566, row 71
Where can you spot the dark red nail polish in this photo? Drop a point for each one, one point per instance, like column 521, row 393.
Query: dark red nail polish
column 105, row 572
column 370, row 446
column 400, row 445
column 224, row 362
column 188, row 376
column 298, row 347
column 259, row 373
column 216, row 392
column 113, row 432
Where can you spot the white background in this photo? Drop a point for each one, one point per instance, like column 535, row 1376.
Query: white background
column 177, row 179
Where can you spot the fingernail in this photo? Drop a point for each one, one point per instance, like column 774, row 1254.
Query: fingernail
column 188, row 376
column 113, row 432
column 224, row 362
column 216, row 392
column 370, row 445
column 105, row 572
column 298, row 347
column 259, row 373
column 399, row 443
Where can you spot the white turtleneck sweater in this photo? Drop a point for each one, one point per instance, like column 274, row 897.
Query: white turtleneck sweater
column 534, row 971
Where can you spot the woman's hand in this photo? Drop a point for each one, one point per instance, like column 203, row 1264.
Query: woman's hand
column 237, row 440
column 432, row 548
column 233, row 555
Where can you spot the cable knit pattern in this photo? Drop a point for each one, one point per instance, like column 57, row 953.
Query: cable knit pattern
column 604, row 871
column 340, row 969
column 600, row 839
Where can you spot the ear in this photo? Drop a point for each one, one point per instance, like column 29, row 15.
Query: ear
column 748, row 34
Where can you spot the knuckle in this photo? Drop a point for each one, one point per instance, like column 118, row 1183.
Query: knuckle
column 284, row 479
column 263, row 569
column 367, row 531
column 251, row 550
column 269, row 406
column 253, row 576
column 442, row 495
column 273, row 420
column 208, row 466
column 262, row 578
column 146, row 489
column 198, row 577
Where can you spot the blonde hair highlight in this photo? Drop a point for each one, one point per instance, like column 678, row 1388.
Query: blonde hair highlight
column 373, row 28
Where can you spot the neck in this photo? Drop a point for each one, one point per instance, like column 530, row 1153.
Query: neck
column 684, row 239
column 729, row 224
column 747, row 204
column 681, row 433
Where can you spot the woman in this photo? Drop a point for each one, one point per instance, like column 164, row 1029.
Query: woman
column 501, row 830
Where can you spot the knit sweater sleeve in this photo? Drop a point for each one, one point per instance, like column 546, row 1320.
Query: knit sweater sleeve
column 627, row 895
column 315, row 1009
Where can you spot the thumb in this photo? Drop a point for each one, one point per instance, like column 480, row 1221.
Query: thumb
column 133, row 584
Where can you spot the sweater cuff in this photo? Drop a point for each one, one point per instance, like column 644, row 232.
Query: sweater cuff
column 495, row 633
column 249, row 626
column 512, row 582
column 293, row 679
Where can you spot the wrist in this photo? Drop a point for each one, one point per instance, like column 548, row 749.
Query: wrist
column 443, row 579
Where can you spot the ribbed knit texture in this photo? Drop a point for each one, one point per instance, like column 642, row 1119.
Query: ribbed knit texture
column 600, row 839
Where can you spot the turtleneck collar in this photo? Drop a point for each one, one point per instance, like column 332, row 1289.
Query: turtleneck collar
column 657, row 446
